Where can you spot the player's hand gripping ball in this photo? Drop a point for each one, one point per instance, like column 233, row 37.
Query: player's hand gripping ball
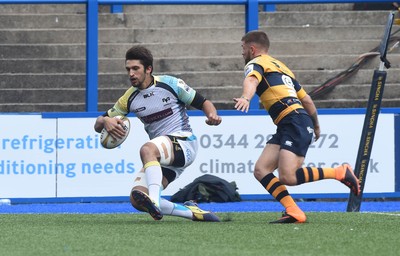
column 108, row 141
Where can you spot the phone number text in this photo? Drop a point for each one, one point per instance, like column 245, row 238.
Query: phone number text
column 258, row 141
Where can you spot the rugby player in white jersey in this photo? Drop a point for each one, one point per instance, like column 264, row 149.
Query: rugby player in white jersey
column 160, row 104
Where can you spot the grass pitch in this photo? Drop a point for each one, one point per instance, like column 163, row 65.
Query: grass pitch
column 239, row 234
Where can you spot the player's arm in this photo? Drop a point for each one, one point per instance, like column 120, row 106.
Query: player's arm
column 211, row 112
column 114, row 125
column 253, row 75
column 309, row 106
column 250, row 84
column 191, row 97
column 208, row 108
column 99, row 124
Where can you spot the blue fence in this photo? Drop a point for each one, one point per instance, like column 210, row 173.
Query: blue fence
column 92, row 7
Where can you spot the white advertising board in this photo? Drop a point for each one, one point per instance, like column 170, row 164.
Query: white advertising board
column 27, row 159
column 231, row 150
column 63, row 157
column 98, row 171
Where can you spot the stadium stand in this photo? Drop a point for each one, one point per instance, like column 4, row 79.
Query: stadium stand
column 42, row 51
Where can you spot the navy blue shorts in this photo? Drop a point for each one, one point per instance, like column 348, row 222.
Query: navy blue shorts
column 294, row 133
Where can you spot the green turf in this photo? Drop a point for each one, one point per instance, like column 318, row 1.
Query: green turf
column 240, row 234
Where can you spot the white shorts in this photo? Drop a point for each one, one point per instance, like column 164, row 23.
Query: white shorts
column 183, row 145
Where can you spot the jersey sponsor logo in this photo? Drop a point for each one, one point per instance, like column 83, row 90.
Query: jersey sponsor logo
column 183, row 85
column 291, row 101
column 165, row 100
column 187, row 88
column 157, row 116
column 148, row 95
column 188, row 156
column 139, row 110
column 310, row 130
column 249, row 69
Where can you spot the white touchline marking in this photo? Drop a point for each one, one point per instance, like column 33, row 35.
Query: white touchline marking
column 384, row 213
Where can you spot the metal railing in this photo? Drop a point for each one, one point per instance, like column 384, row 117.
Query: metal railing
column 92, row 7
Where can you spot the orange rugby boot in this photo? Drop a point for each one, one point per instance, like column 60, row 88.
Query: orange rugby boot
column 346, row 175
column 292, row 214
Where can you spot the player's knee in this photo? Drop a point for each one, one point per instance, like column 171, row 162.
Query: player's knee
column 148, row 149
column 288, row 179
column 259, row 172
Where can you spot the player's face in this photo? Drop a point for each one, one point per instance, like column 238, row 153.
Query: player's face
column 246, row 52
column 137, row 73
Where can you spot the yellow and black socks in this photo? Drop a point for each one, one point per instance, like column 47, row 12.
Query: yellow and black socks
column 310, row 174
column 272, row 184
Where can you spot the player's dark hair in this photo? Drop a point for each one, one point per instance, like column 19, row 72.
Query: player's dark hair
column 140, row 53
column 258, row 37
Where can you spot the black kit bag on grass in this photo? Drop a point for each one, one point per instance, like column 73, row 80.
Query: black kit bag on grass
column 208, row 188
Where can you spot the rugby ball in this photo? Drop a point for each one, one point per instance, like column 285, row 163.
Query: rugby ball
column 108, row 141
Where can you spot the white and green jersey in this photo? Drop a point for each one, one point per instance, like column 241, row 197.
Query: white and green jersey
column 160, row 107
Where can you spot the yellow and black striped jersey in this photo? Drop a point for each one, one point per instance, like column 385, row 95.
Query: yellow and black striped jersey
column 279, row 91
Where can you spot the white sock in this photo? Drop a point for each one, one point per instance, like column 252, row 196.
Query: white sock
column 154, row 178
column 170, row 208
